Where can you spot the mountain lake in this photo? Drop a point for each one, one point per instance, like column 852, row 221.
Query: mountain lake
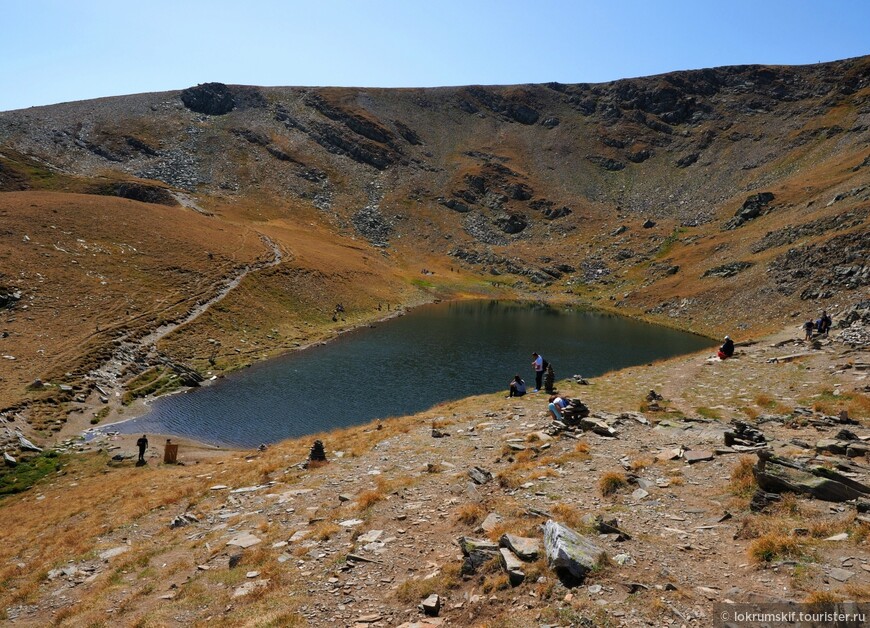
column 405, row 365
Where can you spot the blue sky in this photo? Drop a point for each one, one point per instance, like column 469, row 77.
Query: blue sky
column 61, row 50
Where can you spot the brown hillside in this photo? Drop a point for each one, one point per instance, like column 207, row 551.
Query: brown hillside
column 148, row 241
column 624, row 195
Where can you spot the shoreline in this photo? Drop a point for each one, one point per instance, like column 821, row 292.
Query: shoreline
column 141, row 407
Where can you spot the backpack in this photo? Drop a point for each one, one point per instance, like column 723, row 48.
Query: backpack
column 544, row 364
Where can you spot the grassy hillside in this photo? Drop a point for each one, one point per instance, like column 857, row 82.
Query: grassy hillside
column 723, row 200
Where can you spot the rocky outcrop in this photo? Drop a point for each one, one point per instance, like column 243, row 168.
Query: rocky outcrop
column 214, row 99
column 788, row 235
column 141, row 192
column 606, row 162
column 753, row 207
column 845, row 256
column 511, row 223
column 217, row 99
column 508, row 108
column 727, row 270
column 352, row 143
column 407, row 133
column 777, row 475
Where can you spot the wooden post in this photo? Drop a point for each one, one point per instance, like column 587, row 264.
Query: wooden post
column 170, row 452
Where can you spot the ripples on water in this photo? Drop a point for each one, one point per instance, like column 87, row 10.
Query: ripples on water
column 435, row 353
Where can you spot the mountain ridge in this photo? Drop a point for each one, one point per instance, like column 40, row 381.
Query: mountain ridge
column 641, row 196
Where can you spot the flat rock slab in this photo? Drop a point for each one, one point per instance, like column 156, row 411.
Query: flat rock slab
column 570, row 553
column 369, row 537
column 369, row 619
column 491, row 521
column 350, row 523
column 524, row 547
column 468, row 545
column 249, row 489
column 697, row 455
column 424, row 623
column 244, row 540
column 840, row 575
column 249, row 587
column 669, row 454
column 479, row 475
column 513, row 566
column 115, row 551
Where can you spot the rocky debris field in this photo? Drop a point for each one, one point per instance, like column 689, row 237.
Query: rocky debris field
column 692, row 482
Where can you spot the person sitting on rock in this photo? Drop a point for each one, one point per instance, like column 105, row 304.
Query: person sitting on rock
column 517, row 387
column 727, row 349
column 556, row 405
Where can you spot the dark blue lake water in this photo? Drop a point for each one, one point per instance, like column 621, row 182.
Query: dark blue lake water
column 433, row 354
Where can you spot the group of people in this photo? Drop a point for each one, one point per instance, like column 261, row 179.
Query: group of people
column 517, row 386
column 821, row 325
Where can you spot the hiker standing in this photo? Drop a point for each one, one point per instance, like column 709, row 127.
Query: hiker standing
column 142, row 444
column 538, row 365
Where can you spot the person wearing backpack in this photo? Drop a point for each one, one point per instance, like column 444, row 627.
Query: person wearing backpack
column 540, row 365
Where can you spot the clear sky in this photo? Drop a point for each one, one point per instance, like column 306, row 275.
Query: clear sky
column 62, row 50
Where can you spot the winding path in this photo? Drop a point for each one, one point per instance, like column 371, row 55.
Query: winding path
column 108, row 375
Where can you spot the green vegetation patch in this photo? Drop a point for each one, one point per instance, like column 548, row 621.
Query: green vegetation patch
column 28, row 472
column 708, row 413
column 154, row 381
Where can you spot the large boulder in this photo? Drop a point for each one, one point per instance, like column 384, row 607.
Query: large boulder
column 753, row 207
column 214, row 99
column 570, row 554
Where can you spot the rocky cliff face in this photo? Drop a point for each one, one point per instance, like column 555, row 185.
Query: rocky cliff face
column 681, row 196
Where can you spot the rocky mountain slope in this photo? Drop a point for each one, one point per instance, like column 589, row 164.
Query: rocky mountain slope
column 413, row 507
column 150, row 240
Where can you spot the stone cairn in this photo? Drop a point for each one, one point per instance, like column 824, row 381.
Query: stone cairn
column 317, row 453
column 549, row 379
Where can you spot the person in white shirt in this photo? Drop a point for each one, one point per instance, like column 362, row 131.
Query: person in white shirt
column 538, row 365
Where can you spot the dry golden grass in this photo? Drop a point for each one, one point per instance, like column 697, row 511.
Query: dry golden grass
column 470, row 514
column 611, row 482
column 640, row 464
column 773, row 546
column 857, row 592
column 324, row 531
column 742, row 482
column 817, row 599
column 569, row 515
column 823, row 528
column 510, row 479
column 496, row 582
column 414, row 590
column 369, row 498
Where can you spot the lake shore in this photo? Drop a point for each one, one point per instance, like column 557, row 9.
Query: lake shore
column 407, row 366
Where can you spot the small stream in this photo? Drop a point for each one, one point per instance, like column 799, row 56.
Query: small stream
column 405, row 365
